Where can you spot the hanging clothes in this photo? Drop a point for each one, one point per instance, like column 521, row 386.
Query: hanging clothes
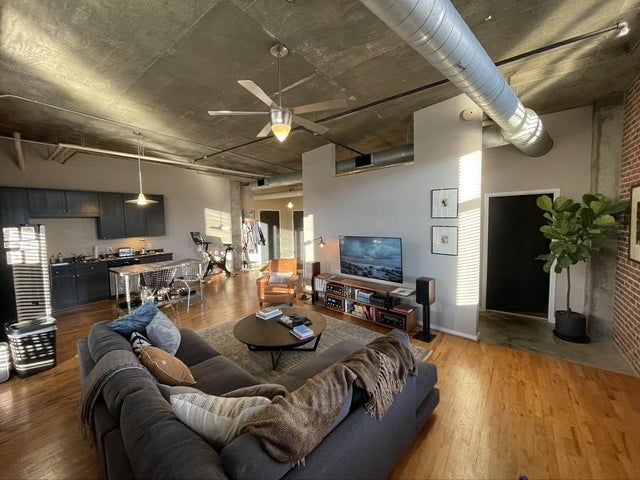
column 252, row 236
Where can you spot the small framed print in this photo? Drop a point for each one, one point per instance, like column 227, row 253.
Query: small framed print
column 444, row 203
column 634, row 225
column 444, row 240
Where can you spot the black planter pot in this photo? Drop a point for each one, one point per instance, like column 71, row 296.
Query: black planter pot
column 571, row 326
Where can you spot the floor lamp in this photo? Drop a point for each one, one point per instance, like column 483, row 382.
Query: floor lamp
column 321, row 244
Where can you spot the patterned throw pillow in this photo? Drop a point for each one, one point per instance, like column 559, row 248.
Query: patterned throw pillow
column 216, row 419
column 163, row 333
column 138, row 341
column 277, row 277
column 136, row 321
column 166, row 368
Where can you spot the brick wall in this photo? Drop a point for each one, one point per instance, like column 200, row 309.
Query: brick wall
column 626, row 326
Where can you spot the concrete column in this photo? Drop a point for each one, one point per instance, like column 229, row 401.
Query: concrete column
column 235, row 202
column 608, row 117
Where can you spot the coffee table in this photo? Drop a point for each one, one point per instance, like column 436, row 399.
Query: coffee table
column 273, row 337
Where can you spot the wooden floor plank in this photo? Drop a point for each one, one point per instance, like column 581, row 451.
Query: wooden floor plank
column 503, row 412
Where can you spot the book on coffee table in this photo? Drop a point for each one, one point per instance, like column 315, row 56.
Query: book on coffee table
column 291, row 321
column 302, row 332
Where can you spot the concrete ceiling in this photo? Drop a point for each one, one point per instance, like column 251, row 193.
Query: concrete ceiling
column 159, row 66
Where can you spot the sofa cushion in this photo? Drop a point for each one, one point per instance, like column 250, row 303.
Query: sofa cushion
column 216, row 419
column 426, row 379
column 193, row 348
column 219, row 375
column 103, row 340
column 135, row 321
column 280, row 277
column 165, row 368
column 163, row 333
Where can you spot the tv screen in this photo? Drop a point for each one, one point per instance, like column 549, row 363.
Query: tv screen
column 372, row 257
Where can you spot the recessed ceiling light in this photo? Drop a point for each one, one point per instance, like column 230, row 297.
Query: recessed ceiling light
column 487, row 18
column 624, row 29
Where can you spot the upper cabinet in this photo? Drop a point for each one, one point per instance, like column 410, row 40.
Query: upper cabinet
column 135, row 223
column 119, row 219
column 155, row 216
column 13, row 207
column 111, row 220
column 45, row 203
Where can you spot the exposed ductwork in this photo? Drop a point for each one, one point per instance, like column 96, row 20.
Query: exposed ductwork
column 278, row 195
column 373, row 161
column 435, row 29
column 284, row 180
column 492, row 137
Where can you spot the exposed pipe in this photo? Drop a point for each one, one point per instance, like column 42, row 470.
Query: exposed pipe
column 276, row 181
column 435, row 29
column 166, row 161
column 19, row 153
column 492, row 137
column 386, row 158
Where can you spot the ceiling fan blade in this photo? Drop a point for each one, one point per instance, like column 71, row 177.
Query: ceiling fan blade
column 265, row 131
column 229, row 112
column 316, row 107
column 258, row 92
column 309, row 125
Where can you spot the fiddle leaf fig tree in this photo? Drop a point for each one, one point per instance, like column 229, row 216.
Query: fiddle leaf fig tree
column 576, row 230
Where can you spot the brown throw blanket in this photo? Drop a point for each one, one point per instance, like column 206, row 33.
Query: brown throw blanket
column 111, row 363
column 292, row 426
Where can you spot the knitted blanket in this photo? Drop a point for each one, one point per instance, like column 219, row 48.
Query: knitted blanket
column 111, row 363
column 292, row 426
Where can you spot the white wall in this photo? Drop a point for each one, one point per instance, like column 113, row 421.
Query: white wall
column 186, row 194
column 566, row 167
column 396, row 202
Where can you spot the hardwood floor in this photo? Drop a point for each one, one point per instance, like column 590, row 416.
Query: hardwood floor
column 503, row 412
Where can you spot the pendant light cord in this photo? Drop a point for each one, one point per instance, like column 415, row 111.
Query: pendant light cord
column 279, row 84
column 140, row 150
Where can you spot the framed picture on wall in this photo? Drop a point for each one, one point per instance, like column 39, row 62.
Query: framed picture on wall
column 444, row 240
column 444, row 203
column 634, row 225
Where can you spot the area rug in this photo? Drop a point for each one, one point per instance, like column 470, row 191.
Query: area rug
column 258, row 364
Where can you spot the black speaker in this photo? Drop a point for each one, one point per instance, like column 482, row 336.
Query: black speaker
column 425, row 290
column 309, row 272
column 425, row 296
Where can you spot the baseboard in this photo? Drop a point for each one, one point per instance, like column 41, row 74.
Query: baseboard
column 454, row 332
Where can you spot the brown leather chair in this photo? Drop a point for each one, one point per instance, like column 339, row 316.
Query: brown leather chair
column 278, row 292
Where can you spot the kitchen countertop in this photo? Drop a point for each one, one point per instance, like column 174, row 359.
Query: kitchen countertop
column 109, row 259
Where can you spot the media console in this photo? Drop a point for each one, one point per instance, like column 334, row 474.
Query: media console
column 369, row 301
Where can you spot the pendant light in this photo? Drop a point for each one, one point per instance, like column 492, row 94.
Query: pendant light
column 140, row 199
column 280, row 117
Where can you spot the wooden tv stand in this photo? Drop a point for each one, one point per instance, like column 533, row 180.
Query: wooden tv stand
column 345, row 295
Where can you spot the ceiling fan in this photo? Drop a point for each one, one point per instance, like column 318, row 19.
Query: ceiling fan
column 280, row 117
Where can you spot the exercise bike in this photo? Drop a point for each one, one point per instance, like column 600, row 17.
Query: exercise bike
column 215, row 259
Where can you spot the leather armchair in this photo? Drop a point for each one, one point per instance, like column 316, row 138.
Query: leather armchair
column 278, row 292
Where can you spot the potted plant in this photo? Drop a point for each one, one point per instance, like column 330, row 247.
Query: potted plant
column 576, row 231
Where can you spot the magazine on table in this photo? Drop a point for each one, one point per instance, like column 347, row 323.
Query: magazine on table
column 291, row 321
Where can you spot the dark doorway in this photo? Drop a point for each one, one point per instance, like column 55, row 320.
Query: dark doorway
column 516, row 282
column 298, row 234
column 270, row 225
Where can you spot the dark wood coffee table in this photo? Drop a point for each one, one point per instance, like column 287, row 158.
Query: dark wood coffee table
column 273, row 337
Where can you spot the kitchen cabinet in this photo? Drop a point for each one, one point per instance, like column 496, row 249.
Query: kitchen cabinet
column 135, row 221
column 111, row 220
column 13, row 207
column 63, row 287
column 92, row 283
column 163, row 257
column 84, row 204
column 46, row 203
column 154, row 214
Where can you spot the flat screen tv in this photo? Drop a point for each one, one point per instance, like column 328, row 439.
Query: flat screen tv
column 372, row 257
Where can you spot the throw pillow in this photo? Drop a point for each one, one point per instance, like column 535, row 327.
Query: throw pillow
column 138, row 341
column 165, row 368
column 168, row 390
column 267, row 390
column 277, row 277
column 163, row 333
column 136, row 321
column 216, row 419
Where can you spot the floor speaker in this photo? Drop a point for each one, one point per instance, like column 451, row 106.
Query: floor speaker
column 425, row 296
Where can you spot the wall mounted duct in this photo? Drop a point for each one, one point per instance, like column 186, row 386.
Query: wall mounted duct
column 386, row 158
column 435, row 29
column 284, row 180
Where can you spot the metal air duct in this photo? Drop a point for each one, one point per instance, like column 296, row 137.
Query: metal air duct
column 436, row 31
column 386, row 158
column 283, row 180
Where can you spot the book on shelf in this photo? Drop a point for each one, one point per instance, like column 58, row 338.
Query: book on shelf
column 269, row 313
column 302, row 332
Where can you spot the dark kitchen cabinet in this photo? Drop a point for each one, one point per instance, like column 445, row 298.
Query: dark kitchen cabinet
column 163, row 257
column 135, row 221
column 46, row 203
column 63, row 287
column 14, row 209
column 111, row 220
column 155, row 216
column 92, row 283
column 82, row 203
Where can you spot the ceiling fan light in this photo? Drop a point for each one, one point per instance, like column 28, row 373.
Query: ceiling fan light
column 281, row 131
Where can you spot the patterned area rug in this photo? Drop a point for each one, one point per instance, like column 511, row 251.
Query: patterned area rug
column 258, row 364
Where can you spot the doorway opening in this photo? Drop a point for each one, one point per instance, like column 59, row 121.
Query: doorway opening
column 270, row 226
column 298, row 235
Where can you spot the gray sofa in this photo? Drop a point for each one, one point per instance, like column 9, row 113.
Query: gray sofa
column 138, row 435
